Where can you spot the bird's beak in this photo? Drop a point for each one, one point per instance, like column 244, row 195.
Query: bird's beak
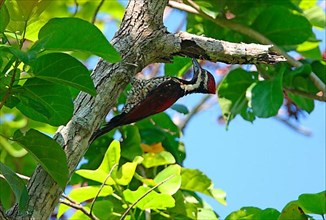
column 196, row 66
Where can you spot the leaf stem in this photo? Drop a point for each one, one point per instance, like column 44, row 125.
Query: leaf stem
column 12, row 80
column 98, row 193
column 79, row 207
column 145, row 194
column 97, row 10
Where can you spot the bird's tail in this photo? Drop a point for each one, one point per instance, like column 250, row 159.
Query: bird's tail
column 113, row 123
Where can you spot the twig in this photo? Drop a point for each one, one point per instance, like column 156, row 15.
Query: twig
column 79, row 207
column 145, row 194
column 298, row 129
column 98, row 193
column 19, row 175
column 97, row 10
column 246, row 31
column 76, row 7
column 307, row 95
column 12, row 80
column 193, row 112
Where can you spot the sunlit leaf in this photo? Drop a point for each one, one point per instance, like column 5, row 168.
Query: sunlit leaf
column 158, row 159
column 153, row 200
column 172, row 185
column 82, row 194
column 109, row 163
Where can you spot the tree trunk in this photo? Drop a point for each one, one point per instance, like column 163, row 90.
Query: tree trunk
column 139, row 38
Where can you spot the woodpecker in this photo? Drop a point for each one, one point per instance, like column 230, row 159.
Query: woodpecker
column 149, row 97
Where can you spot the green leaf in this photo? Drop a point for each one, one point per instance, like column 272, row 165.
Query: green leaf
column 17, row 185
column 316, row 16
column 196, row 181
column 253, row 213
column 82, row 194
column 232, row 92
column 267, row 97
column 319, row 67
column 295, row 29
column 4, row 18
column 158, row 159
column 178, row 67
column 64, row 69
column 172, row 185
column 302, row 102
column 126, row 172
column 45, row 101
column 74, row 34
column 152, row 200
column 292, row 211
column 110, row 160
column 130, row 147
column 47, row 152
column 25, row 57
column 180, row 108
column 313, row 203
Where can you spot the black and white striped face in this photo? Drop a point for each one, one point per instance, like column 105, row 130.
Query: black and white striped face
column 203, row 81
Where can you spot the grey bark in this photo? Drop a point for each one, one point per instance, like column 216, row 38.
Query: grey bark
column 141, row 39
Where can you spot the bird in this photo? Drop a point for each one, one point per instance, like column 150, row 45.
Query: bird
column 151, row 96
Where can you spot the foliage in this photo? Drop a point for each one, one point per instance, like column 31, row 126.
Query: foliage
column 43, row 46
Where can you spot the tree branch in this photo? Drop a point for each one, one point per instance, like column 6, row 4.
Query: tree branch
column 79, row 207
column 227, row 52
column 298, row 129
column 195, row 9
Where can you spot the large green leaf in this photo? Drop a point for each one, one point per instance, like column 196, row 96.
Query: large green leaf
column 158, row 159
column 84, row 193
column 74, row 34
column 109, row 163
column 172, row 185
column 130, row 147
column 47, row 152
column 64, row 69
column 253, row 213
column 127, row 171
column 313, row 203
column 316, row 16
column 178, row 67
column 304, row 103
column 196, row 181
column 17, row 185
column 267, row 97
column 292, row 211
column 45, row 101
column 4, row 18
column 283, row 26
column 232, row 92
column 152, row 200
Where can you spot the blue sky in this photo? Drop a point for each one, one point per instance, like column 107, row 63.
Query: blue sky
column 264, row 164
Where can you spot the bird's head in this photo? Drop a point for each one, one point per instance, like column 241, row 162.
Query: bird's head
column 203, row 81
